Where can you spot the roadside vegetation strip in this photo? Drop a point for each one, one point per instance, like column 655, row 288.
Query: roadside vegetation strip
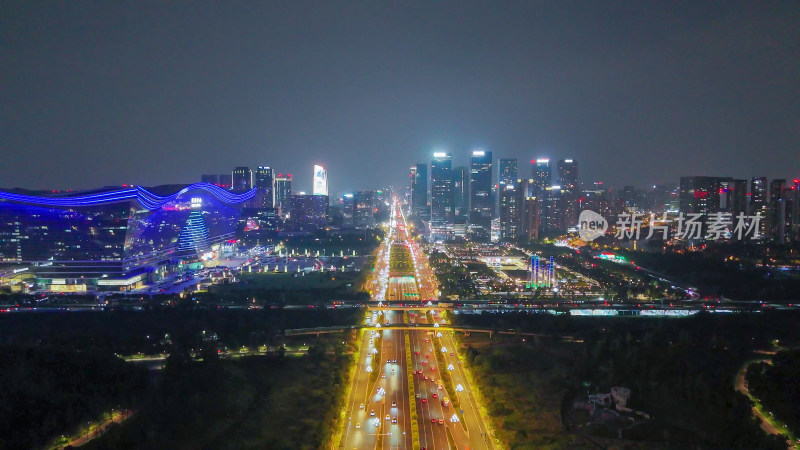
column 490, row 426
column 376, row 359
column 412, row 396
column 451, row 441
column 336, row 439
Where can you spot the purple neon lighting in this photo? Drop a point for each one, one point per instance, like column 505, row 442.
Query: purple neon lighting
column 146, row 198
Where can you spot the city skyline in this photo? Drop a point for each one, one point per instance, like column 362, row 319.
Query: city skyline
column 668, row 89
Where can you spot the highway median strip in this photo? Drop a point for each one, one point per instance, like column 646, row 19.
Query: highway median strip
column 412, row 396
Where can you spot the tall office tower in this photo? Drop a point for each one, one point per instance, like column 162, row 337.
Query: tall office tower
column 509, row 212
column 365, row 209
column 776, row 219
column 705, row 195
column 209, row 178
column 759, row 202
column 226, row 181
column 792, row 213
column 242, row 179
column 419, row 190
column 733, row 197
column 786, row 214
column 412, row 178
column 283, row 190
column 628, row 197
column 663, row 196
column 552, row 217
column 441, row 196
column 570, row 191
column 507, row 171
column 348, row 210
column 542, row 175
column 528, row 207
column 320, row 180
column 264, row 181
column 481, row 208
column 461, row 193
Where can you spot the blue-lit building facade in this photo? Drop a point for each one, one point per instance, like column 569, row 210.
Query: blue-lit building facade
column 115, row 239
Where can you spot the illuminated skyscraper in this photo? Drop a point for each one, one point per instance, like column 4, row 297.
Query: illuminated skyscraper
column 570, row 192
column 283, row 190
column 460, row 193
column 480, row 194
column 542, row 175
column 242, row 179
column 348, row 209
column 441, row 195
column 320, row 181
column 776, row 219
column 509, row 212
column 419, row 190
column 264, row 182
column 507, row 172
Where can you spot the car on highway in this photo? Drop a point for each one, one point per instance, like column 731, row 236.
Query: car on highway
column 433, row 420
column 361, row 406
column 441, row 422
column 394, row 403
column 394, row 419
column 358, row 425
column 387, row 417
column 417, row 395
column 428, row 355
column 434, row 395
column 424, row 400
column 372, row 413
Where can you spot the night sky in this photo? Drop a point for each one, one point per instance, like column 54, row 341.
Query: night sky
column 639, row 92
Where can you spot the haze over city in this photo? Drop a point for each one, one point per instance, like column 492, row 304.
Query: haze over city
column 98, row 93
column 399, row 225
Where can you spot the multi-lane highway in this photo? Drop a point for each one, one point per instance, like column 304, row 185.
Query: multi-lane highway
column 379, row 410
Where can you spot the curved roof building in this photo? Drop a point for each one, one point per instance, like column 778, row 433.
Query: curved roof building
column 114, row 238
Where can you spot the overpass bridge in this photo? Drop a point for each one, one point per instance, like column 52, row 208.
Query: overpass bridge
column 410, row 327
